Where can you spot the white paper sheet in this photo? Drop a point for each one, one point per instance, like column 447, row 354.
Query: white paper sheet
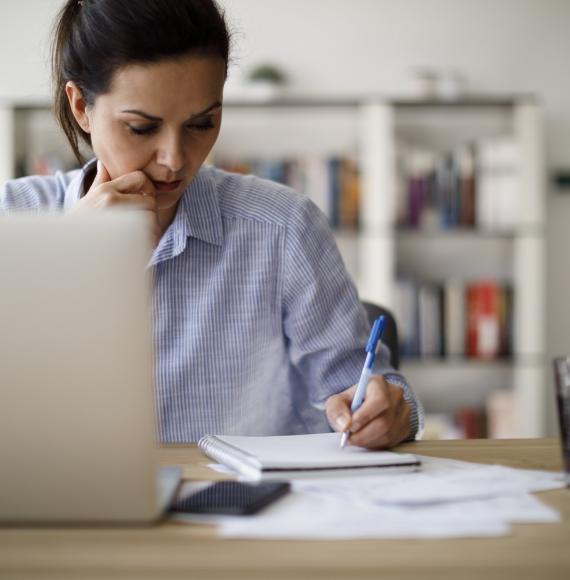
column 447, row 499
column 440, row 481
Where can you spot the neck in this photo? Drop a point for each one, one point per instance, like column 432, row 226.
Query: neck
column 166, row 217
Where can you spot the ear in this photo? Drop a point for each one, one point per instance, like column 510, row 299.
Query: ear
column 78, row 106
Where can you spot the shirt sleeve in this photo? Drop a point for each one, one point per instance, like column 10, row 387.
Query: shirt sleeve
column 325, row 325
column 33, row 193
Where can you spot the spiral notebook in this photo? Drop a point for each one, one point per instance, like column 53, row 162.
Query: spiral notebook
column 294, row 456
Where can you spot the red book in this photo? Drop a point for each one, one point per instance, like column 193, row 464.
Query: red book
column 483, row 320
column 470, row 421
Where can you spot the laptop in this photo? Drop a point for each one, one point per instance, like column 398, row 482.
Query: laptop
column 77, row 421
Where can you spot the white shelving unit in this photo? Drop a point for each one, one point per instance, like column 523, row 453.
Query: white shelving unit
column 368, row 131
column 517, row 255
column 28, row 131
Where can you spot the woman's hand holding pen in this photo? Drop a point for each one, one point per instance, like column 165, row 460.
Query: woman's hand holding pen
column 381, row 422
column 130, row 191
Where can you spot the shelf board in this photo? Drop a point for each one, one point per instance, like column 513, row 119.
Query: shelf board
column 346, row 233
column 455, row 362
column 311, row 101
column 466, row 233
column 470, row 101
column 462, row 232
column 305, row 102
column 473, row 101
column 461, row 362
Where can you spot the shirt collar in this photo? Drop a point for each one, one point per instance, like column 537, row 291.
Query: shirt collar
column 199, row 209
column 198, row 216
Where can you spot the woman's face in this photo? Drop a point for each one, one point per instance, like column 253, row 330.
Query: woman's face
column 161, row 118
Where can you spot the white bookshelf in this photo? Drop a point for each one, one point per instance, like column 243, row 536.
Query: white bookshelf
column 368, row 131
column 517, row 255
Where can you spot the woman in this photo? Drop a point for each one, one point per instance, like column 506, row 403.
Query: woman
column 258, row 329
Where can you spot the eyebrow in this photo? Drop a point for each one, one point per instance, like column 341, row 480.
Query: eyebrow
column 158, row 119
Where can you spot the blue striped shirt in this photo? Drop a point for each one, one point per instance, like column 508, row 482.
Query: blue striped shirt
column 256, row 321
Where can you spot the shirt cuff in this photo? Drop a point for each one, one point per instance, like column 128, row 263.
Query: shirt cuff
column 417, row 414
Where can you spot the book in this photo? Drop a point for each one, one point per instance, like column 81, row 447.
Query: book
column 294, row 456
column 473, row 184
column 429, row 297
column 454, row 318
column 501, row 411
column 333, row 183
column 498, row 196
column 471, row 422
column 406, row 310
column 483, row 322
column 465, row 158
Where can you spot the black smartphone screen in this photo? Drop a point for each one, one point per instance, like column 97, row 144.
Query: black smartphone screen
column 231, row 498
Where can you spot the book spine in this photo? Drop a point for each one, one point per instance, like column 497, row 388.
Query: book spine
column 350, row 195
column 500, row 406
column 471, row 422
column 333, row 183
column 454, row 318
column 334, row 166
column 466, row 161
column 483, row 320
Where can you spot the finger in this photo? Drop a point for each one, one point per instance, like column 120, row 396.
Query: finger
column 135, row 182
column 337, row 410
column 136, row 199
column 127, row 201
column 377, row 401
column 102, row 175
column 372, row 436
column 384, row 430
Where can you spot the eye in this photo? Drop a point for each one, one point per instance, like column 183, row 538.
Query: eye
column 144, row 130
column 202, row 125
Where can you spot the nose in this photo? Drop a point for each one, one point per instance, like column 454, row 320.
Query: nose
column 171, row 153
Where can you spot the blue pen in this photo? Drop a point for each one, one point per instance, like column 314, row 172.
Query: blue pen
column 371, row 348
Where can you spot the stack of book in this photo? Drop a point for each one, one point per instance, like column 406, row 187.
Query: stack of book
column 493, row 419
column 333, row 183
column 466, row 319
column 472, row 185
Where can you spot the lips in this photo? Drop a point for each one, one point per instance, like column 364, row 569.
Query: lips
column 167, row 185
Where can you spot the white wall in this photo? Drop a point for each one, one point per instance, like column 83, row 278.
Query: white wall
column 24, row 40
column 370, row 46
column 358, row 47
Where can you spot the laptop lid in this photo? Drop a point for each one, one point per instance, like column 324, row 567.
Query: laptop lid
column 77, row 439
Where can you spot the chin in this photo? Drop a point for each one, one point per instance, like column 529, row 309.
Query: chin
column 167, row 200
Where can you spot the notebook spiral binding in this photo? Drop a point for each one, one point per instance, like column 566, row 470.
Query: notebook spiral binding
column 230, row 456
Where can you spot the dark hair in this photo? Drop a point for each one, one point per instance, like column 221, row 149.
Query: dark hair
column 94, row 38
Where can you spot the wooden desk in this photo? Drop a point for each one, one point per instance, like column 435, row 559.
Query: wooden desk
column 171, row 551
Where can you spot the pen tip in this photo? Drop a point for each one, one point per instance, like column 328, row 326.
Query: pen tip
column 344, row 439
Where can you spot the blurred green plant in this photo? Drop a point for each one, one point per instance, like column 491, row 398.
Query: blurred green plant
column 268, row 73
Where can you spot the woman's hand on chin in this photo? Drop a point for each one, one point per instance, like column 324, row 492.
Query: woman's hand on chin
column 132, row 191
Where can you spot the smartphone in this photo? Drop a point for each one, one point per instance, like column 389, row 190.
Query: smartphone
column 231, row 498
